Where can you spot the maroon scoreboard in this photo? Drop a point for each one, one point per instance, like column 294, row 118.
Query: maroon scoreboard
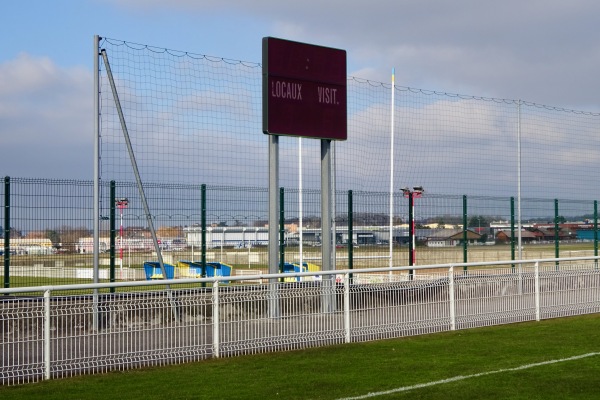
column 304, row 90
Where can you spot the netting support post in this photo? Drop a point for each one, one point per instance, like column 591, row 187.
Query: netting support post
column 519, row 200
column 96, row 169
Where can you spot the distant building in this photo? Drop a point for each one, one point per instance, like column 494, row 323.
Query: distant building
column 227, row 236
column 453, row 238
column 526, row 236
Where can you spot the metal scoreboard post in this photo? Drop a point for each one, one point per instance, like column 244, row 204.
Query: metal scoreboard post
column 304, row 95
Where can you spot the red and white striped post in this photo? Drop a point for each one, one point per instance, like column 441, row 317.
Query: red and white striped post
column 413, row 194
column 121, row 205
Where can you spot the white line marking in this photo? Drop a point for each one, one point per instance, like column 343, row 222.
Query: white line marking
column 462, row 377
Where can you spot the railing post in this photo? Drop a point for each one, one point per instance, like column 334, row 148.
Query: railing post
column 452, row 304
column 347, row 307
column 47, row 342
column 216, row 318
column 537, row 290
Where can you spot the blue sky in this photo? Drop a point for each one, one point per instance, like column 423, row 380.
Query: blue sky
column 544, row 51
column 63, row 29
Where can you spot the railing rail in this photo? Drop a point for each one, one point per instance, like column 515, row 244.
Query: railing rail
column 137, row 326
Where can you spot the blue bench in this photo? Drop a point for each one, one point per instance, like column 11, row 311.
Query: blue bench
column 289, row 268
column 218, row 269
column 190, row 269
column 153, row 271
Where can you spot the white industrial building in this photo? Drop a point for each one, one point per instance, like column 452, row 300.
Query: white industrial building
column 227, row 236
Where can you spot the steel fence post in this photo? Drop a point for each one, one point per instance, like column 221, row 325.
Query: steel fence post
column 465, row 235
column 350, row 233
column 203, row 234
column 556, row 236
column 6, row 231
column 512, row 232
column 112, row 222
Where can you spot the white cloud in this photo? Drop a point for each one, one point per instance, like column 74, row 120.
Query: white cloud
column 45, row 118
column 542, row 51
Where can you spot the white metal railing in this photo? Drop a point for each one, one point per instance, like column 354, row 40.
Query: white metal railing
column 57, row 331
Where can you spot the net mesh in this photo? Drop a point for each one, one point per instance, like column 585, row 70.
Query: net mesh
column 197, row 119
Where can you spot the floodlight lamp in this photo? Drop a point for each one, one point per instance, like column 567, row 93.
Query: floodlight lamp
column 419, row 189
column 405, row 190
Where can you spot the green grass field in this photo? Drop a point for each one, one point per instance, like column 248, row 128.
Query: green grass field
column 487, row 363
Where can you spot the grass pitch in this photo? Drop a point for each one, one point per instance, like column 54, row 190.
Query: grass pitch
column 519, row 361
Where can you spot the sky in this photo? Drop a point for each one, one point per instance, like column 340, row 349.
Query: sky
column 545, row 52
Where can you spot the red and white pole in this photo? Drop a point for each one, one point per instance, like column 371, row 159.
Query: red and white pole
column 121, row 205
column 121, row 241
column 416, row 193
column 413, row 230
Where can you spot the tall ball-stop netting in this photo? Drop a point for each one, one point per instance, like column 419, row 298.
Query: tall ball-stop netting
column 195, row 119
